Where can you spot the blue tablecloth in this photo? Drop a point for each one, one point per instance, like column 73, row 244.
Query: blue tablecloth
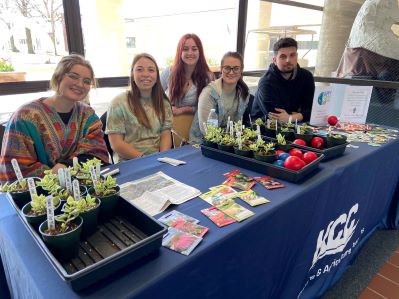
column 297, row 245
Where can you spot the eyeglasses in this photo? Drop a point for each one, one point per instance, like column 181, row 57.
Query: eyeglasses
column 75, row 77
column 227, row 69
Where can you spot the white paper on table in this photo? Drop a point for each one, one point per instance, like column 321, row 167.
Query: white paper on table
column 321, row 107
column 356, row 104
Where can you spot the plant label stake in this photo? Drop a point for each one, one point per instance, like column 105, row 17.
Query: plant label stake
column 258, row 132
column 75, row 163
column 298, row 129
column 98, row 165
column 17, row 170
column 61, row 177
column 250, row 120
column 228, row 125
column 276, row 125
column 68, row 181
column 268, row 123
column 32, row 187
column 93, row 178
column 50, row 212
column 231, row 129
column 296, row 123
column 76, row 190
column 239, row 140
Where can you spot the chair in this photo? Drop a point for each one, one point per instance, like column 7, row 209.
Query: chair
column 103, row 119
column 181, row 129
column 2, row 129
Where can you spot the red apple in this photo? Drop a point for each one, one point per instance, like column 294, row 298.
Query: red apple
column 296, row 152
column 317, row 142
column 294, row 163
column 332, row 120
column 309, row 157
column 299, row 141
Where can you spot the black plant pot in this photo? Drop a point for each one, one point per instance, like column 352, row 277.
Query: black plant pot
column 90, row 219
column 108, row 203
column 226, row 148
column 245, row 153
column 269, row 158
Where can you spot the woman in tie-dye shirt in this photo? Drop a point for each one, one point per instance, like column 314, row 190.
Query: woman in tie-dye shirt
column 139, row 120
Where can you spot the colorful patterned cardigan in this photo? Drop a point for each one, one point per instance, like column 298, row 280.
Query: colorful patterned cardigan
column 37, row 137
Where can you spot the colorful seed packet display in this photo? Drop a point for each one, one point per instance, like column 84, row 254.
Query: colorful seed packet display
column 269, row 183
column 168, row 218
column 217, row 217
column 237, row 179
column 179, row 241
column 252, row 198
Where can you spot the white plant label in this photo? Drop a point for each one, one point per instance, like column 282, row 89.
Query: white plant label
column 50, row 212
column 298, row 129
column 268, row 123
column 258, row 132
column 17, row 170
column 75, row 163
column 239, row 140
column 93, row 177
column 98, row 170
column 61, row 177
column 76, row 189
column 32, row 187
column 68, row 182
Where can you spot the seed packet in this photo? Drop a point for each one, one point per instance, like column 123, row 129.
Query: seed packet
column 168, row 218
column 237, row 179
column 218, row 217
column 218, row 195
column 235, row 211
column 269, row 183
column 179, row 241
column 252, row 198
column 189, row 227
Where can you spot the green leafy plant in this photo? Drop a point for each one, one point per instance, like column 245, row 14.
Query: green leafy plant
column 38, row 204
column 249, row 134
column 281, row 139
column 263, row 148
column 70, row 213
column 82, row 205
column 83, row 170
column 213, row 134
column 106, row 186
column 305, row 129
column 227, row 140
column 5, row 65
column 259, row 122
column 16, row 186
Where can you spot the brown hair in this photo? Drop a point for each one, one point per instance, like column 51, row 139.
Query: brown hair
column 200, row 76
column 157, row 95
column 242, row 87
column 65, row 65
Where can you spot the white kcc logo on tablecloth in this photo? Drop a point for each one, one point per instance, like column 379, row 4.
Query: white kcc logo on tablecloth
column 336, row 236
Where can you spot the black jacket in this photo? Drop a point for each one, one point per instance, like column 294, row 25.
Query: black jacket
column 274, row 91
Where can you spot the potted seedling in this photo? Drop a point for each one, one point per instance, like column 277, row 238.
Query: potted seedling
column 212, row 137
column 62, row 235
column 81, row 171
column 304, row 132
column 271, row 128
column 88, row 208
column 107, row 190
column 288, row 131
column 242, row 146
column 227, row 143
column 282, row 144
column 263, row 151
column 334, row 139
column 18, row 190
column 35, row 212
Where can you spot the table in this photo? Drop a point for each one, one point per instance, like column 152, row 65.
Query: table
column 296, row 246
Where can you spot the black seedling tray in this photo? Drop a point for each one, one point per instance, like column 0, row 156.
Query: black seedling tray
column 260, row 166
column 125, row 238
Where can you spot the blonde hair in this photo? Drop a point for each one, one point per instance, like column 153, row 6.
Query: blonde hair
column 65, row 65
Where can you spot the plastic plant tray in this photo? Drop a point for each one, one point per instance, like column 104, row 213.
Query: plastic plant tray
column 125, row 238
column 260, row 166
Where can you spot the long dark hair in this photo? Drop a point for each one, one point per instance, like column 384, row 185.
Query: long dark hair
column 157, row 95
column 242, row 87
column 177, row 79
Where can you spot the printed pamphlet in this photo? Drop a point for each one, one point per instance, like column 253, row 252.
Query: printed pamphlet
column 168, row 218
column 252, row 198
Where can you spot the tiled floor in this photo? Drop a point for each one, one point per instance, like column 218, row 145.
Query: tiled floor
column 386, row 282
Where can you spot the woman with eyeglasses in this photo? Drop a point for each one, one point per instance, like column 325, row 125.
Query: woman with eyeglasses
column 139, row 120
column 49, row 132
column 189, row 74
column 228, row 95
